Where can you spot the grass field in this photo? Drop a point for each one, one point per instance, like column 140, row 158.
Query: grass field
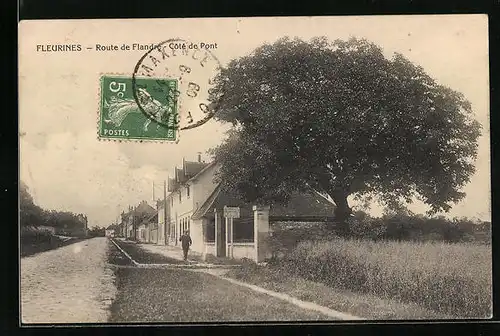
column 364, row 305
column 452, row 279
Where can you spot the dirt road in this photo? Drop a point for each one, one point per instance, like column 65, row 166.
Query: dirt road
column 70, row 284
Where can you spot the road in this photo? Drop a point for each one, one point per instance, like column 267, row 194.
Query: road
column 70, row 284
column 76, row 283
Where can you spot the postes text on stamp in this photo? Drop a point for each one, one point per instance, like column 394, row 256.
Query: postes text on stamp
column 121, row 118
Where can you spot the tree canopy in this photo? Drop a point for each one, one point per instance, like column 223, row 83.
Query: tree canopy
column 33, row 215
column 342, row 119
column 30, row 214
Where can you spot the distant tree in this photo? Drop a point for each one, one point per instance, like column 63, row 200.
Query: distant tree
column 97, row 231
column 30, row 214
column 340, row 118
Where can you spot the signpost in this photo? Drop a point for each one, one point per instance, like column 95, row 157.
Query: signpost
column 229, row 214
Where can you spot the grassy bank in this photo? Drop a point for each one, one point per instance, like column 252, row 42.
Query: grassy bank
column 145, row 257
column 363, row 305
column 160, row 295
column 116, row 257
column 141, row 255
column 452, row 279
column 166, row 295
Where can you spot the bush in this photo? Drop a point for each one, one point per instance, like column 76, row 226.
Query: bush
column 37, row 237
column 405, row 227
column 34, row 241
column 450, row 278
column 286, row 237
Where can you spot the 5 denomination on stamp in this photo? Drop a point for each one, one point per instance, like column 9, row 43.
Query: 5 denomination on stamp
column 120, row 116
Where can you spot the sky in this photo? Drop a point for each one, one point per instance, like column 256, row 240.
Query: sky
column 67, row 168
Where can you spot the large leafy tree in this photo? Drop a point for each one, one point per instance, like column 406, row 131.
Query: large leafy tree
column 342, row 119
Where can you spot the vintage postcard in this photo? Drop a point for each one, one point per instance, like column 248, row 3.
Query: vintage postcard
column 254, row 169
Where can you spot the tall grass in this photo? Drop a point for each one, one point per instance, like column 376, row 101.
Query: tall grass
column 454, row 279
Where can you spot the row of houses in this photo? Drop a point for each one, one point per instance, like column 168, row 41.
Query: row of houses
column 195, row 203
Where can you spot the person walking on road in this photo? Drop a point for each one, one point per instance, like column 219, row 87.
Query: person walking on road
column 186, row 243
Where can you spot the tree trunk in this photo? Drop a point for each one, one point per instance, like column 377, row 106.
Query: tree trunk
column 342, row 212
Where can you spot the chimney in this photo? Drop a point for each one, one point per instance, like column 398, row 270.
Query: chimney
column 199, row 156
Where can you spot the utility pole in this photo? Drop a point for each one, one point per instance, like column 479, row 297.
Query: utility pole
column 133, row 224
column 154, row 191
column 166, row 231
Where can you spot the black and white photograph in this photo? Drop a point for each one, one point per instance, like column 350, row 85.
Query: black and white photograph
column 254, row 169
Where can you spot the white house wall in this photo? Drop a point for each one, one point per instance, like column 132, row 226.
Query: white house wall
column 196, row 233
column 244, row 250
column 200, row 189
column 204, row 186
column 161, row 229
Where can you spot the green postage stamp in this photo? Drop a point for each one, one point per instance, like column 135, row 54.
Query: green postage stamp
column 150, row 114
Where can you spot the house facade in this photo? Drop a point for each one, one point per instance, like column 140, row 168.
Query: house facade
column 110, row 231
column 148, row 228
column 188, row 190
column 196, row 203
column 135, row 222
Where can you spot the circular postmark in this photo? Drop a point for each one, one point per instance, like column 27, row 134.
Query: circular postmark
column 184, row 76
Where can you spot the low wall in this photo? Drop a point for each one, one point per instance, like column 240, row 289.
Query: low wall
column 210, row 248
column 244, row 250
column 153, row 236
column 240, row 250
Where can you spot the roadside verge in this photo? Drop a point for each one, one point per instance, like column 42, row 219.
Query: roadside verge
column 209, row 269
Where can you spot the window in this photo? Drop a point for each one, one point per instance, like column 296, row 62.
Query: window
column 210, row 231
column 187, row 190
column 243, row 230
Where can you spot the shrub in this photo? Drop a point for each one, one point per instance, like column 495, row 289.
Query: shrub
column 407, row 227
column 34, row 241
column 32, row 236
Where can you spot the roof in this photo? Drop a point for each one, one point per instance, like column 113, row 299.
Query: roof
column 190, row 171
column 172, row 184
column 144, row 208
column 152, row 218
column 192, row 168
column 180, row 176
column 141, row 212
column 300, row 204
column 203, row 210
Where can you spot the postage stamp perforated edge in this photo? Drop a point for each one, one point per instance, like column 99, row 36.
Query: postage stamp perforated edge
column 100, row 96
